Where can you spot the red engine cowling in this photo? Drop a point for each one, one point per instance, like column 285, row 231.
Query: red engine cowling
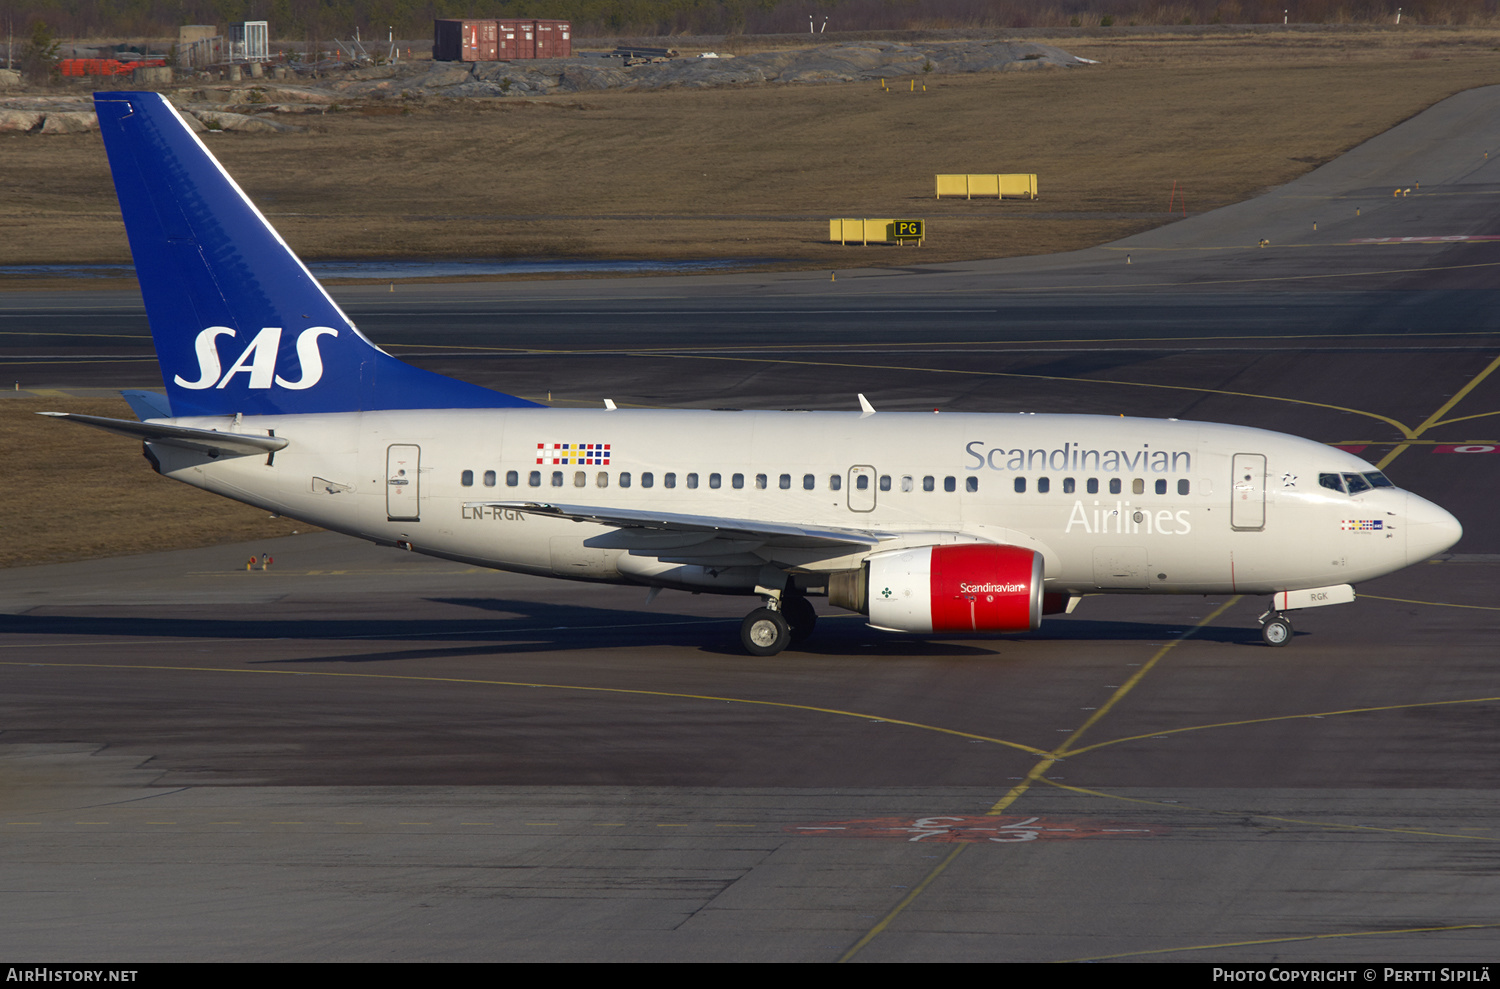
column 969, row 587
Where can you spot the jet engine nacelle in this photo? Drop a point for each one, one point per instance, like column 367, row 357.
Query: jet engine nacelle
column 969, row 587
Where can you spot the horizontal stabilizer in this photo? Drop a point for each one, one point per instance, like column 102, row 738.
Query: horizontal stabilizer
column 210, row 441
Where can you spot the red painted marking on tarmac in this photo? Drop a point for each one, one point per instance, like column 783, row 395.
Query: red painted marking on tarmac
column 974, row 829
column 1467, row 448
column 1350, row 447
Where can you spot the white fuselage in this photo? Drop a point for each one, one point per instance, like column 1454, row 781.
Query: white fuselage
column 1111, row 504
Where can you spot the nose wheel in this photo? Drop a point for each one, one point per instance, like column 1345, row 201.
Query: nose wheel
column 1275, row 629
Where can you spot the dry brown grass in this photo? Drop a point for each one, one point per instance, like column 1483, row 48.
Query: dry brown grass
column 1223, row 115
column 90, row 494
column 646, row 174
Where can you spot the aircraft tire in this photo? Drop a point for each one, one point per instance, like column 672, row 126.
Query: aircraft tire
column 765, row 632
column 799, row 614
column 1277, row 631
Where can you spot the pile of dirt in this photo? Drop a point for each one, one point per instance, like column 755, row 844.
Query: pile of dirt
column 250, row 107
column 827, row 63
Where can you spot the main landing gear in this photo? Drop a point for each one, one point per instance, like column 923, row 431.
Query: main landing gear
column 767, row 631
column 1275, row 628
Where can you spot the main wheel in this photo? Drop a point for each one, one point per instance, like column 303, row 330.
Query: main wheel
column 765, row 632
column 1276, row 631
column 799, row 614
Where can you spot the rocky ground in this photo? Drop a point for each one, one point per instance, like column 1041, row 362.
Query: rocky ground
column 256, row 105
column 827, row 63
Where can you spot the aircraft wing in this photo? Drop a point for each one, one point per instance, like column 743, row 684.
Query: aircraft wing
column 208, row 440
column 705, row 540
column 729, row 528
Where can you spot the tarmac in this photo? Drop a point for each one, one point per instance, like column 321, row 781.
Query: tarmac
column 360, row 754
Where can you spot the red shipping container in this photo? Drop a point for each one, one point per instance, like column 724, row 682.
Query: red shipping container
column 464, row 40
column 554, row 39
column 516, row 39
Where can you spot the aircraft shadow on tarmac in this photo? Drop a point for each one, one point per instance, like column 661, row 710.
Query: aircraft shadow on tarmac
column 530, row 627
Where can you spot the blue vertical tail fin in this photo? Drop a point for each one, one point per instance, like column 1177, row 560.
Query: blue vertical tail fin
column 239, row 323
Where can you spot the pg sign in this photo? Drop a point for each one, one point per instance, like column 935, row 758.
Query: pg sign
column 904, row 230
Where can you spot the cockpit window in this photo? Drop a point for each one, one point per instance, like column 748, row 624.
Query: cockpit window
column 1334, row 482
column 1356, row 483
column 1378, row 480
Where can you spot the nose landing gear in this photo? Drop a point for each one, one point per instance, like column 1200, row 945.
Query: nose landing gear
column 1275, row 628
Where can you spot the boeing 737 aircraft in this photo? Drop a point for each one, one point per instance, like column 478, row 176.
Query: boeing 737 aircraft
column 925, row 523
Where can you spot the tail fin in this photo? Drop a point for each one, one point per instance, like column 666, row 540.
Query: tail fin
column 240, row 324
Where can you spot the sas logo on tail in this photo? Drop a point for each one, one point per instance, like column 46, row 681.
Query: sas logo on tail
column 258, row 359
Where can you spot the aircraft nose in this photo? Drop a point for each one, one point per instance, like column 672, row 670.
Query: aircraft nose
column 1429, row 529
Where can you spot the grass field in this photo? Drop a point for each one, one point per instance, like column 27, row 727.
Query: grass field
column 88, row 493
column 655, row 175
column 756, row 172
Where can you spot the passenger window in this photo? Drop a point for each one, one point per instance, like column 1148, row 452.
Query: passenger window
column 1067, row 485
column 1138, row 486
column 580, row 478
column 1093, row 485
column 714, row 480
column 1043, row 485
column 950, row 484
column 557, row 479
column 929, row 483
column 602, row 479
column 692, row 481
column 466, row 479
column 785, row 483
column 512, row 479
column 1020, row 485
column 535, row 479
column 971, row 484
column 737, row 481
column 1114, row 485
column 861, row 483
column 906, row 483
column 647, row 479
column 835, row 482
column 1183, row 486
column 885, row 482
column 489, row 479
column 1161, row 485
column 624, row 478
column 669, row 480
column 809, row 482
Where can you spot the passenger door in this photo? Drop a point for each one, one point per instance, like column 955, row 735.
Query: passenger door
column 1247, row 489
column 861, row 489
column 403, row 494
